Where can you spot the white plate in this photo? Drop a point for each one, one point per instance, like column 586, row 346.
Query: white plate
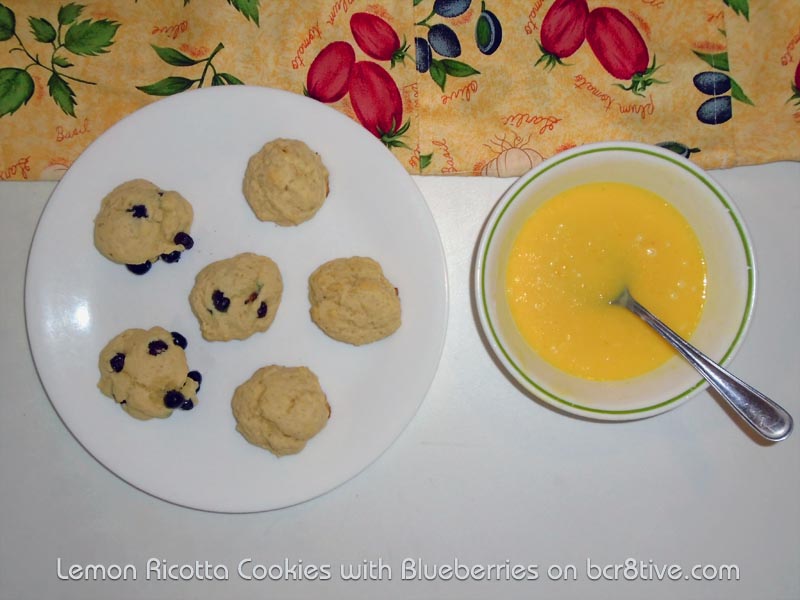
column 198, row 143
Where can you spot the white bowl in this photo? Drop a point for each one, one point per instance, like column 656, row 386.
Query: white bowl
column 731, row 277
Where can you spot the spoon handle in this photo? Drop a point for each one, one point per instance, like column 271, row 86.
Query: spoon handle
column 764, row 415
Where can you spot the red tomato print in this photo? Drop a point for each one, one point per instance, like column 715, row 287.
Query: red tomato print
column 617, row 43
column 329, row 74
column 563, row 30
column 797, row 77
column 377, row 102
column 620, row 48
column 376, row 37
column 796, row 87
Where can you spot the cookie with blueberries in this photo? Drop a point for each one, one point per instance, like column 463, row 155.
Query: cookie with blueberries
column 145, row 371
column 139, row 223
column 236, row 297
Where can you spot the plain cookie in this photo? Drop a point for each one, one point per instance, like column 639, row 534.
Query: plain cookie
column 280, row 408
column 145, row 371
column 236, row 297
column 353, row 302
column 285, row 182
column 139, row 223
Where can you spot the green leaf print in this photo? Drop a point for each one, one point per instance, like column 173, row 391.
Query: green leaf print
column 8, row 23
column 167, row 86
column 68, row 13
column 438, row 73
column 457, row 68
column 716, row 61
column 441, row 68
column 62, row 62
column 174, row 84
column 795, row 97
column 90, row 38
column 737, row 93
column 227, row 79
column 249, row 8
column 425, row 161
column 86, row 38
column 740, row 7
column 16, row 88
column 42, row 30
column 679, row 148
column 174, row 57
column 62, row 93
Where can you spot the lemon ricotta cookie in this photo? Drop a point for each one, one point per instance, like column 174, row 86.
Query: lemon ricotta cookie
column 139, row 223
column 280, row 408
column 285, row 182
column 352, row 301
column 145, row 371
column 236, row 297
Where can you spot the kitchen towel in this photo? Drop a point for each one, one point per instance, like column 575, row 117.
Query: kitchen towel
column 462, row 87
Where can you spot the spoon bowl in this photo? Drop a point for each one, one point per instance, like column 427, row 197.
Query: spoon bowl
column 765, row 416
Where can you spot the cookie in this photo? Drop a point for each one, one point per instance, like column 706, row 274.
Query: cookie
column 353, row 302
column 280, row 408
column 139, row 223
column 236, row 297
column 145, row 371
column 285, row 182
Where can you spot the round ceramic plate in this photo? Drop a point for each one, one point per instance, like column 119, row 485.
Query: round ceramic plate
column 198, row 143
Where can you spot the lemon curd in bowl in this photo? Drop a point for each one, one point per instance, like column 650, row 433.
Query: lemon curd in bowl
column 565, row 239
column 573, row 257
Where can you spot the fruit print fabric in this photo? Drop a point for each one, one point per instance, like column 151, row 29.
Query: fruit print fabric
column 563, row 31
column 450, row 86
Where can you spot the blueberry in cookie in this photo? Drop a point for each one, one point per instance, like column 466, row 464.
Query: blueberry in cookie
column 139, row 223
column 145, row 371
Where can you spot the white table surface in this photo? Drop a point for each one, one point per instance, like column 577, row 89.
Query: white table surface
column 484, row 475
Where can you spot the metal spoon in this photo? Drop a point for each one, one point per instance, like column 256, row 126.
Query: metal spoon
column 762, row 414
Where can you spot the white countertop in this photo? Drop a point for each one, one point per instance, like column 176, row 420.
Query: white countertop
column 484, row 478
